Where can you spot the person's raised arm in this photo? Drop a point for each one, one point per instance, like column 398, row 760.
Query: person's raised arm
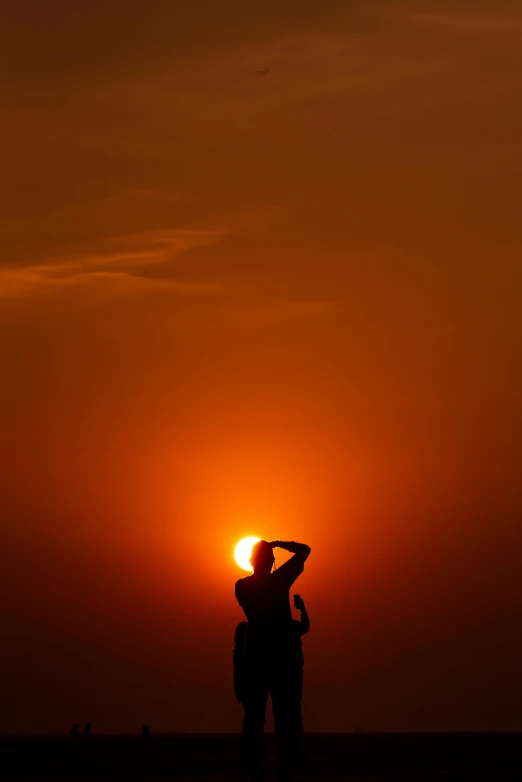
column 292, row 568
column 300, row 550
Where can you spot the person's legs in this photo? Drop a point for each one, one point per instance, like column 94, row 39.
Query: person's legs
column 255, row 699
column 286, row 691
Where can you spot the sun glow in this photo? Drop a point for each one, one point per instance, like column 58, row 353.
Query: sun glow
column 243, row 550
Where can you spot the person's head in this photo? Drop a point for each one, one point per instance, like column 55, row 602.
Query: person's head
column 262, row 557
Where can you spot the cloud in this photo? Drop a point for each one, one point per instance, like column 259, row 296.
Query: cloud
column 119, row 267
column 464, row 22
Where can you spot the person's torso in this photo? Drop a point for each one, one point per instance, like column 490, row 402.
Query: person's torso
column 266, row 603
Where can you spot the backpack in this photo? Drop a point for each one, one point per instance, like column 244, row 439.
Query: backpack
column 238, row 659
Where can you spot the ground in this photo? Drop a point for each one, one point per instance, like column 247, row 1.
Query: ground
column 329, row 758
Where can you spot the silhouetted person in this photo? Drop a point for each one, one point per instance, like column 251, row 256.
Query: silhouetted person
column 74, row 730
column 87, row 731
column 270, row 655
column 145, row 731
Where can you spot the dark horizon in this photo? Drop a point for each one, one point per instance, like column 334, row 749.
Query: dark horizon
column 330, row 757
column 66, row 734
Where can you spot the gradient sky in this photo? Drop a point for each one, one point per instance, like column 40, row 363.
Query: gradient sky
column 287, row 306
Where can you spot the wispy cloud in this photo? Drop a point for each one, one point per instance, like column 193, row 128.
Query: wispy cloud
column 120, row 266
column 464, row 22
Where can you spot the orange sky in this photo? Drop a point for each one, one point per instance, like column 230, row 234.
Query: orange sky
column 285, row 305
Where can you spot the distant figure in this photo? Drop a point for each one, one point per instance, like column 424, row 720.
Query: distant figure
column 271, row 663
column 75, row 730
column 87, row 731
column 300, row 628
column 145, row 731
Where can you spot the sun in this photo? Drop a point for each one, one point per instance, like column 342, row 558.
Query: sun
column 243, row 551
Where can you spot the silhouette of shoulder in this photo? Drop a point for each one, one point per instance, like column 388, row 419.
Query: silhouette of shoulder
column 241, row 583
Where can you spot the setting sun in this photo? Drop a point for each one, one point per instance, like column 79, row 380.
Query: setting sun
column 243, row 551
